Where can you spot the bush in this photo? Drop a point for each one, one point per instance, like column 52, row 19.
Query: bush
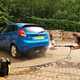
column 61, row 24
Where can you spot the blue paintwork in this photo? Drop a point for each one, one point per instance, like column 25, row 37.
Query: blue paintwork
column 23, row 43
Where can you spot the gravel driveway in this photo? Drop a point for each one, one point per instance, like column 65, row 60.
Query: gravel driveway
column 60, row 68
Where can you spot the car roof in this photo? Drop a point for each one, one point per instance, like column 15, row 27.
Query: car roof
column 23, row 24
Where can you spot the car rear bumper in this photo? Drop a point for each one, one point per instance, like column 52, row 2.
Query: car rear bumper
column 26, row 45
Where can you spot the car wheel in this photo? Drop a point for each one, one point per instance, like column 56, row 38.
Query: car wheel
column 36, row 52
column 14, row 51
column 43, row 51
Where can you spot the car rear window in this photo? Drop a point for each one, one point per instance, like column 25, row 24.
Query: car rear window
column 29, row 26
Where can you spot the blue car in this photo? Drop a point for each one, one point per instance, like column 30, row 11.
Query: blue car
column 24, row 38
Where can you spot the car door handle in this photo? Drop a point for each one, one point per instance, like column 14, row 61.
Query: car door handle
column 1, row 39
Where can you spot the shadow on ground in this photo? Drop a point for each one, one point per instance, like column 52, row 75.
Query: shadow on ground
column 5, row 54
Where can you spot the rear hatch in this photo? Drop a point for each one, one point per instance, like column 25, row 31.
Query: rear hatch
column 35, row 33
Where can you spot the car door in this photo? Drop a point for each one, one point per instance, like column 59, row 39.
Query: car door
column 1, row 36
column 8, row 36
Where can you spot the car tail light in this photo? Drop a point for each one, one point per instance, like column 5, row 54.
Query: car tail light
column 21, row 32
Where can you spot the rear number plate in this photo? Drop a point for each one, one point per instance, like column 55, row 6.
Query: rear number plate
column 39, row 37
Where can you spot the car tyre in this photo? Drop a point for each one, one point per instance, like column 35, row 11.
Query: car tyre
column 14, row 51
column 43, row 51
column 40, row 52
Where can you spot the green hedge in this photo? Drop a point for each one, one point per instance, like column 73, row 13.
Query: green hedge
column 54, row 24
